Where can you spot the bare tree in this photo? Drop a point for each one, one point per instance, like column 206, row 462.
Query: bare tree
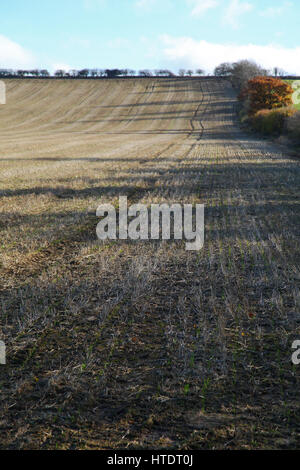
column 164, row 73
column 94, row 73
column 224, row 70
column 84, row 73
column 145, row 73
column 240, row 72
column 243, row 71
column 113, row 73
column 60, row 73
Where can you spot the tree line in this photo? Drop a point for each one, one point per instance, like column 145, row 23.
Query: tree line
column 100, row 73
column 238, row 72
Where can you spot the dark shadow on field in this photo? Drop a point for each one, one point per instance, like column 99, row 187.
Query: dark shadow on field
column 75, row 159
column 70, row 313
column 266, row 214
column 277, row 184
column 148, row 103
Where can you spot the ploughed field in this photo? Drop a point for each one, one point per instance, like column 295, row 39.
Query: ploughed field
column 124, row 344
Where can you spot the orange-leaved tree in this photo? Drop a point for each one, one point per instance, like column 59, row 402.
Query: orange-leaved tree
column 266, row 93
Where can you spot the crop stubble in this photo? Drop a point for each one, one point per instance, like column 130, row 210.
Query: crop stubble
column 145, row 345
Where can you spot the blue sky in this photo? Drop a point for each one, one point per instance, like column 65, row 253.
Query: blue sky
column 149, row 33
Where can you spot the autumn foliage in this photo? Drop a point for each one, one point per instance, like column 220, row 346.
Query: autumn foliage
column 272, row 121
column 266, row 93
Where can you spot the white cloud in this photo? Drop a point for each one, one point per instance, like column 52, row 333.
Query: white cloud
column 234, row 11
column 61, row 66
column 12, row 55
column 202, row 6
column 271, row 12
column 187, row 53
